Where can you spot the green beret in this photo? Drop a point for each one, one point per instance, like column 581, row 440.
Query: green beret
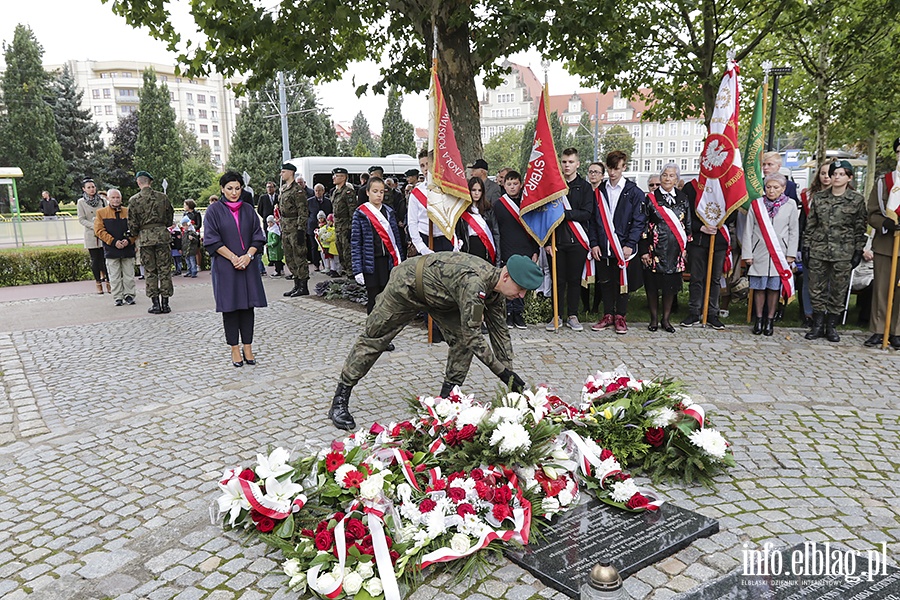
column 840, row 164
column 288, row 167
column 525, row 272
column 339, row 171
column 144, row 174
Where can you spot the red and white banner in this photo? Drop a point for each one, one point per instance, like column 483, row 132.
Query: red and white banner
column 774, row 247
column 383, row 228
column 721, row 188
column 671, row 219
column 479, row 227
column 615, row 246
column 448, row 188
column 890, row 201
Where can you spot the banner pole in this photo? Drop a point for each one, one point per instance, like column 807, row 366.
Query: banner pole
column 892, row 286
column 430, row 247
column 709, row 265
column 553, row 280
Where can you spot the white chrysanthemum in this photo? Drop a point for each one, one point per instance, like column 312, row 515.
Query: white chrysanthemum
column 516, row 400
column 372, row 486
column 352, row 583
column 410, row 512
column 622, row 491
column 374, row 587
column 434, row 521
column 710, row 441
column 472, row 415
column 550, row 505
column 595, row 449
column 510, row 438
column 683, row 398
column 341, row 472
column 662, row 417
column 506, row 413
column 459, row 543
column 365, row 569
column 565, row 497
column 607, row 466
column 473, row 526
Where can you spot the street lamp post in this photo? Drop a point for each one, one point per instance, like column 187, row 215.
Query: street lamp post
column 776, row 73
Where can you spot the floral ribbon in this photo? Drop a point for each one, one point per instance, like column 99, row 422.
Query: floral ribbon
column 265, row 506
column 696, row 412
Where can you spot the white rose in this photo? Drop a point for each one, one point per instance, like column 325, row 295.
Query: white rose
column 372, row 487
column 365, row 569
column 325, row 583
column 291, row 567
column 374, row 587
column 565, row 497
column 298, row 582
column 352, row 583
column 459, row 543
column 443, row 408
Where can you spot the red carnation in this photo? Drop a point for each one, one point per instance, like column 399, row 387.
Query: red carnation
column 456, row 493
column 355, row 529
column 465, row 509
column 636, row 501
column 606, row 454
column 333, row 460
column 484, row 491
column 247, row 474
column 440, row 484
column 265, row 525
column 353, row 479
column 502, row 495
column 501, row 511
column 477, row 474
column 324, row 539
column 467, row 433
column 655, row 436
column 427, row 505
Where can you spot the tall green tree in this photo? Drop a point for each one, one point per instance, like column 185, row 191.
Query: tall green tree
column 120, row 168
column 310, row 129
column 158, row 146
column 361, row 140
column 78, row 135
column 504, row 149
column 256, row 144
column 28, row 131
column 561, row 139
column 616, row 137
column 197, row 169
column 397, row 134
column 583, row 141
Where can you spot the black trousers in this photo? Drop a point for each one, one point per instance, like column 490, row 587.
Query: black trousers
column 440, row 243
column 608, row 274
column 238, row 322
column 98, row 262
column 377, row 281
column 570, row 264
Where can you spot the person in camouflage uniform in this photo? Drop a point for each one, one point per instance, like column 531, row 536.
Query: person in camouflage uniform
column 294, row 215
column 343, row 201
column 459, row 291
column 150, row 215
column 835, row 237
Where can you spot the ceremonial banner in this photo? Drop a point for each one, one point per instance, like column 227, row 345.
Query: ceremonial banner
column 753, row 153
column 448, row 190
column 541, row 209
column 721, row 186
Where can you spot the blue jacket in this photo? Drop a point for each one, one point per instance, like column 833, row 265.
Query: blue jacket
column 629, row 220
column 363, row 240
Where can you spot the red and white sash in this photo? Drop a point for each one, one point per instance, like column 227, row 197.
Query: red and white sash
column 383, row 228
column 727, row 265
column 479, row 227
column 774, row 247
column 587, row 272
column 512, row 208
column 671, row 219
column 420, row 195
column 615, row 246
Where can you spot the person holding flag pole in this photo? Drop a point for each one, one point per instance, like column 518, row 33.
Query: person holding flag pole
column 883, row 207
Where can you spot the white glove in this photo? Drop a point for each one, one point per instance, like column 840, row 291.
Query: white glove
column 360, row 279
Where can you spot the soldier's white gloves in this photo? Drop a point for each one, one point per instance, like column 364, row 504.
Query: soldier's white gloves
column 360, row 279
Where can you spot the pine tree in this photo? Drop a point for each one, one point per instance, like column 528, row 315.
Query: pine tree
column 256, row 145
column 120, row 167
column 197, row 168
column 397, row 134
column 78, row 135
column 28, row 132
column 361, row 142
column 310, row 130
column 583, row 141
column 158, row 147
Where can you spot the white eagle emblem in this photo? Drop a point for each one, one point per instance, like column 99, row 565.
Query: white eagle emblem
column 535, row 153
column 714, row 156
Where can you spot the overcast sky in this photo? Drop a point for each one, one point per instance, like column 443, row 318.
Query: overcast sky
column 88, row 30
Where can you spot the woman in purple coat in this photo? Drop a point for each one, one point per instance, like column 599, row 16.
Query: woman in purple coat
column 234, row 238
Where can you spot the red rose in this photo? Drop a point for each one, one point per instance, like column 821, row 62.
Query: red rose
column 502, row 495
column 427, row 505
column 636, row 501
column 420, row 468
column 465, row 509
column 477, row 474
column 389, row 541
column 484, row 491
column 655, row 436
column 353, row 478
column 450, row 437
column 255, row 515
column 324, row 539
column 307, row 533
column 355, row 529
column 399, row 428
column 620, row 476
column 333, row 460
column 322, row 526
column 265, row 525
column 456, row 493
column 606, row 454
column 338, row 516
column 394, row 556
column 247, row 474
column 501, row 511
column 455, row 475
column 467, row 433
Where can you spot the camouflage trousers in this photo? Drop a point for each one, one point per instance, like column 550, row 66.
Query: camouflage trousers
column 157, row 263
column 342, row 237
column 828, row 284
column 293, row 240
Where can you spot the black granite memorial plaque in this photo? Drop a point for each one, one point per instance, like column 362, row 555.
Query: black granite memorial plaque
column 848, row 579
column 583, row 536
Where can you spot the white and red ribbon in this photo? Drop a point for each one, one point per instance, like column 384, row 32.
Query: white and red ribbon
column 728, row 265
column 614, row 245
column 479, row 227
column 774, row 247
column 383, row 228
column 406, row 468
column 696, row 412
column 587, row 271
column 265, row 506
column 671, row 219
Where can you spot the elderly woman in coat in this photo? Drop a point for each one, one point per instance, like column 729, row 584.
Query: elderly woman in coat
column 784, row 221
column 234, row 239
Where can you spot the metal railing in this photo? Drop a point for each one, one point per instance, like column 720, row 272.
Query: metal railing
column 33, row 230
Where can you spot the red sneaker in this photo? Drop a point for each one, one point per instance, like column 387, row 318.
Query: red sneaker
column 621, row 327
column 603, row 323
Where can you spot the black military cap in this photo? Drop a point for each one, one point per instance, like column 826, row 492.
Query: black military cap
column 479, row 164
column 288, row 167
column 412, row 173
column 340, row 171
column 897, row 144
column 372, row 169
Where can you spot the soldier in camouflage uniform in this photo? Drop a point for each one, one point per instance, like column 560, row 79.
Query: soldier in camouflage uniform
column 343, row 201
column 835, row 237
column 294, row 215
column 150, row 215
column 459, row 291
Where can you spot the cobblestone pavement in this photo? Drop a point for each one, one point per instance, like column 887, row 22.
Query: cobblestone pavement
column 113, row 434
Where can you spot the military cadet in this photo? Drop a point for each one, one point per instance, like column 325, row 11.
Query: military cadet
column 835, row 237
column 150, row 215
column 343, row 199
column 294, row 215
column 459, row 291
column 884, row 203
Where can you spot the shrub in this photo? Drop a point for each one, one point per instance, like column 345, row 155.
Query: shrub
column 50, row 265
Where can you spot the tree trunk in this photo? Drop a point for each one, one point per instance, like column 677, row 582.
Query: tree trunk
column 456, row 72
column 707, row 55
column 822, row 108
column 870, row 162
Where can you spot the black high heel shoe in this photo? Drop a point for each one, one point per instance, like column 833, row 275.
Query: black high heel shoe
column 247, row 360
column 237, row 364
column 668, row 327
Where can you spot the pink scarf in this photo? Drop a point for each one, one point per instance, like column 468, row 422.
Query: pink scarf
column 235, row 208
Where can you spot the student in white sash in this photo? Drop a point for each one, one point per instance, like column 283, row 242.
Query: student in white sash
column 785, row 225
column 476, row 230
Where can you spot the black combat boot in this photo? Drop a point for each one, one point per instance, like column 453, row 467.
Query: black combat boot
column 155, row 309
column 817, row 330
column 446, row 389
column 340, row 410
column 831, row 333
column 164, row 306
column 301, row 288
column 292, row 292
column 757, row 325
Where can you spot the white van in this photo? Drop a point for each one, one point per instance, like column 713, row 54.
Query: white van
column 317, row 169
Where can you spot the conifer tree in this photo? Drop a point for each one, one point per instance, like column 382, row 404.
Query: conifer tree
column 158, row 146
column 120, row 167
column 361, row 141
column 397, row 134
column 256, row 145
